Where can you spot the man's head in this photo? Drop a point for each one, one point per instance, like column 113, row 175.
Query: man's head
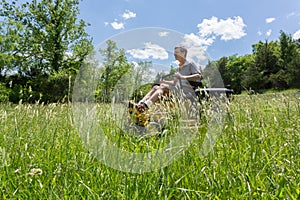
column 180, row 53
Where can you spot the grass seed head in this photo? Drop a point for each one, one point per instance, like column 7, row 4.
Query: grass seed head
column 35, row 171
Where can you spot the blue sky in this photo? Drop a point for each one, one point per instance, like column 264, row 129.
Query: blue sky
column 222, row 27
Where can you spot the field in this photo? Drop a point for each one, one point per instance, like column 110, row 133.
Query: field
column 257, row 156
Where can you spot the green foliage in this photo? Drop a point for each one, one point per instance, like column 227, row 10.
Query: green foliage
column 253, row 79
column 85, row 87
column 273, row 65
column 141, row 91
column 212, row 76
column 115, row 65
column 290, row 61
column 4, row 93
column 42, row 39
column 233, row 70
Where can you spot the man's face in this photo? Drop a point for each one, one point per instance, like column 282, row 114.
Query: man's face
column 178, row 54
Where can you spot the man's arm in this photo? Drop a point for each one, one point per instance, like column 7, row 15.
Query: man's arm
column 193, row 77
column 173, row 82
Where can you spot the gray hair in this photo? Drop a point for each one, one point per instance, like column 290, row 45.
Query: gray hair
column 182, row 49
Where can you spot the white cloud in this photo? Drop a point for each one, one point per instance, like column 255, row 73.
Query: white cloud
column 229, row 29
column 296, row 35
column 121, row 25
column 128, row 14
column 259, row 33
column 269, row 32
column 151, row 50
column 197, row 47
column 116, row 25
column 163, row 33
column 292, row 14
column 192, row 40
column 209, row 30
column 269, row 20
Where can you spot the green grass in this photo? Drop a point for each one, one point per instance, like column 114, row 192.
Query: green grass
column 256, row 157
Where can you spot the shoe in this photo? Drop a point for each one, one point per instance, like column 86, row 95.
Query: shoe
column 131, row 106
column 140, row 116
column 142, row 107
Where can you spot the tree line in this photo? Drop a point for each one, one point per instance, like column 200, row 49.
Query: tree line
column 272, row 65
column 43, row 45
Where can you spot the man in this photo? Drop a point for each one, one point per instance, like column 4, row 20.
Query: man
column 186, row 76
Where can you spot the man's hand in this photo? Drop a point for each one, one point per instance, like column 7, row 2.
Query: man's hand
column 178, row 75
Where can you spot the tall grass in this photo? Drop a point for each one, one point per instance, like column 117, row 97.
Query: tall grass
column 256, row 157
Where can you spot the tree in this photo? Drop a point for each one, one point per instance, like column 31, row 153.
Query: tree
column 266, row 55
column 233, row 70
column 289, row 61
column 253, row 78
column 10, row 40
column 114, row 66
column 49, row 45
column 212, row 76
column 221, row 64
column 143, row 79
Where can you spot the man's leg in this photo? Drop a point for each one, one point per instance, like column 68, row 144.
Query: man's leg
column 150, row 93
column 153, row 97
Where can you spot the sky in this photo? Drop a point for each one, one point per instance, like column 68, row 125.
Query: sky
column 219, row 27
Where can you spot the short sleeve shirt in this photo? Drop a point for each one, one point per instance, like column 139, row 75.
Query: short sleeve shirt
column 188, row 69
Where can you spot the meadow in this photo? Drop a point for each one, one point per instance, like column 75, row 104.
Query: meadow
column 257, row 156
